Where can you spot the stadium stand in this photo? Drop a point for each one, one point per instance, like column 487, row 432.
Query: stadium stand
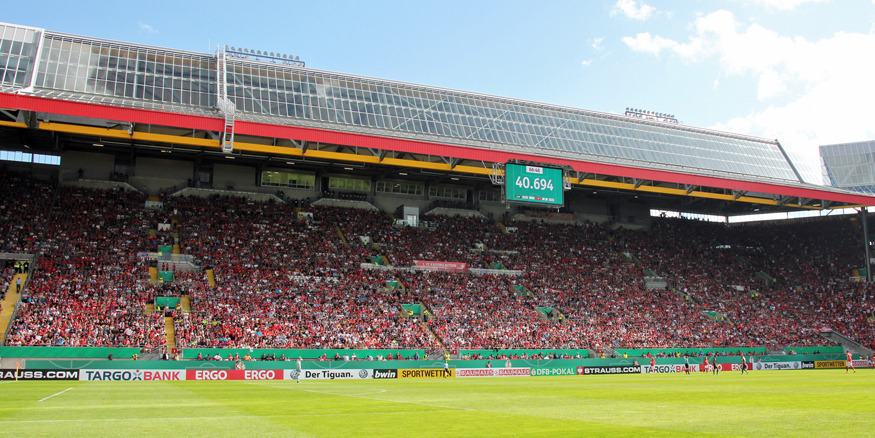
column 289, row 282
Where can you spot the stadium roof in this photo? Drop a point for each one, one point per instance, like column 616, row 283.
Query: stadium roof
column 850, row 165
column 89, row 89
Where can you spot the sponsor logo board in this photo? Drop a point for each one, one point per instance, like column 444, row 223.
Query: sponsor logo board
column 808, row 365
column 130, row 375
column 234, row 374
column 771, row 366
column 328, row 374
column 862, row 363
column 426, row 373
column 826, row 364
column 557, row 371
column 493, row 372
column 608, row 370
column 385, row 374
column 39, row 374
column 673, row 368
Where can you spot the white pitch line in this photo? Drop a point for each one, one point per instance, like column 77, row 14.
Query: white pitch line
column 379, row 391
column 79, row 420
column 59, row 393
column 366, row 398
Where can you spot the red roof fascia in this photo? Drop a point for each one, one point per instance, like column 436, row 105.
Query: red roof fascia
column 96, row 111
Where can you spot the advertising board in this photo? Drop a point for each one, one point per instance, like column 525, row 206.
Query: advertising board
column 328, row 374
column 493, row 372
column 13, row 374
column 132, row 375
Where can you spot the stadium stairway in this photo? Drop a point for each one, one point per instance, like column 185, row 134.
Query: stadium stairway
column 768, row 280
column 608, row 352
column 437, row 338
column 211, row 277
column 342, row 237
column 9, row 302
column 846, row 342
column 170, row 331
column 426, row 311
column 185, row 303
column 150, row 309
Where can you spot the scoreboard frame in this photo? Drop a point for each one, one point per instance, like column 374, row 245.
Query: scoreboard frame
column 534, row 185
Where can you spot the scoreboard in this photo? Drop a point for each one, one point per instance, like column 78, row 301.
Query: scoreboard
column 533, row 184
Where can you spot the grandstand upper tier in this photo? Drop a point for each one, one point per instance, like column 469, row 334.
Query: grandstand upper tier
column 68, row 92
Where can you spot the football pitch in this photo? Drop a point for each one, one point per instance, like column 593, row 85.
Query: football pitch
column 763, row 403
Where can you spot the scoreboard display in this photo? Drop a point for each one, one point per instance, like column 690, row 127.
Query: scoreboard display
column 533, row 184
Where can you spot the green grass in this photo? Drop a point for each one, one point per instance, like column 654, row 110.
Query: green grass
column 765, row 403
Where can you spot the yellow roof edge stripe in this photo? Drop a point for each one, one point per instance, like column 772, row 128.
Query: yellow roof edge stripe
column 13, row 124
column 439, row 166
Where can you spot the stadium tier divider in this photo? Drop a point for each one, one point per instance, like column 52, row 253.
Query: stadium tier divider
column 416, row 309
column 584, row 353
column 256, row 353
column 420, row 364
column 167, row 301
column 69, row 352
column 815, row 350
column 730, row 351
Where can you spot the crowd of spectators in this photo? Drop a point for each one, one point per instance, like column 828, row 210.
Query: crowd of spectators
column 89, row 289
column 274, row 308
column 291, row 277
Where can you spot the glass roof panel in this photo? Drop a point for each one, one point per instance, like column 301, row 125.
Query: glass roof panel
column 122, row 74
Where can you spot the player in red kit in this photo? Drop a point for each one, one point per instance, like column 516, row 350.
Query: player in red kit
column 849, row 364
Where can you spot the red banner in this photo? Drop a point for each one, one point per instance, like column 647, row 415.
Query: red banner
column 441, row 266
column 734, row 366
column 234, row 374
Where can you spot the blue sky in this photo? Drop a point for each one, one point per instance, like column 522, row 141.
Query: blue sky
column 800, row 71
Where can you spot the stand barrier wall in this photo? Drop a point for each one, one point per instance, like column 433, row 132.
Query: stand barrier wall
column 404, row 364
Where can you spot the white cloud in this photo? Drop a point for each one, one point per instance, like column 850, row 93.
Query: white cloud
column 645, row 42
column 586, row 62
column 630, row 9
column 819, row 91
column 596, row 43
column 147, row 28
column 771, row 84
column 786, row 5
